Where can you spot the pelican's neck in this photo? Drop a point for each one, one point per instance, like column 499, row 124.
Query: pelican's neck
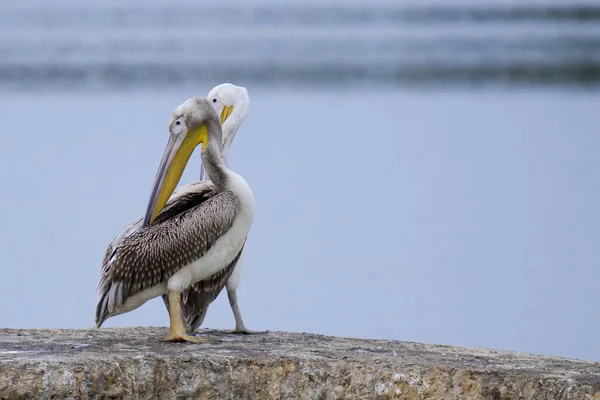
column 229, row 129
column 212, row 161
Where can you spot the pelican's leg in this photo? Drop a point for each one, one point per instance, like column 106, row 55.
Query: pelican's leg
column 239, row 322
column 178, row 333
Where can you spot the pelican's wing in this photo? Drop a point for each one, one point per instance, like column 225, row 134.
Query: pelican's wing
column 183, row 232
column 185, row 196
column 196, row 299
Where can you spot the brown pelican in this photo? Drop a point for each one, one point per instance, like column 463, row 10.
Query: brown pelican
column 184, row 242
column 231, row 103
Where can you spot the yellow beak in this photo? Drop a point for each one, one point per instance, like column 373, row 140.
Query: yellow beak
column 227, row 110
column 176, row 156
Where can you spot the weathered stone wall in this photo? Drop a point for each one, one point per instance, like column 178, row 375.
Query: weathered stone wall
column 134, row 364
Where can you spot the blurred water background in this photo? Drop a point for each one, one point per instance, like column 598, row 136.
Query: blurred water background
column 423, row 170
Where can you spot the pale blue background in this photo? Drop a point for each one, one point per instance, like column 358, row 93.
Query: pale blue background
column 452, row 214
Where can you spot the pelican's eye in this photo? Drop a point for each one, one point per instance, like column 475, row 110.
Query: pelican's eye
column 178, row 126
column 215, row 100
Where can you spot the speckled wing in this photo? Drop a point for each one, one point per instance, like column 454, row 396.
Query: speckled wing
column 182, row 199
column 189, row 196
column 184, row 231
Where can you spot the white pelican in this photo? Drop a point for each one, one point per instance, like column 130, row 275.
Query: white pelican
column 199, row 236
column 231, row 102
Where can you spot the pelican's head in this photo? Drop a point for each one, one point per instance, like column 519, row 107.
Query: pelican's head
column 231, row 103
column 192, row 123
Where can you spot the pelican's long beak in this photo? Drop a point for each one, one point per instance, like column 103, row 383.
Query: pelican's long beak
column 225, row 113
column 177, row 154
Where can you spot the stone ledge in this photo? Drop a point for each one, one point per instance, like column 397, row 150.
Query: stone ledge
column 132, row 363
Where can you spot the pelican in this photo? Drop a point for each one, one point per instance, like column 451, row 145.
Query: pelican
column 231, row 102
column 184, row 242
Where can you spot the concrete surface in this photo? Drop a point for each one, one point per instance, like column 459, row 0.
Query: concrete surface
column 132, row 363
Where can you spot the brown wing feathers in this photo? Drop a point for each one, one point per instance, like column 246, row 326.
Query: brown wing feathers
column 151, row 255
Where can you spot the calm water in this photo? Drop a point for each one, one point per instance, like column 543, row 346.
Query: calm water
column 126, row 46
column 387, row 207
